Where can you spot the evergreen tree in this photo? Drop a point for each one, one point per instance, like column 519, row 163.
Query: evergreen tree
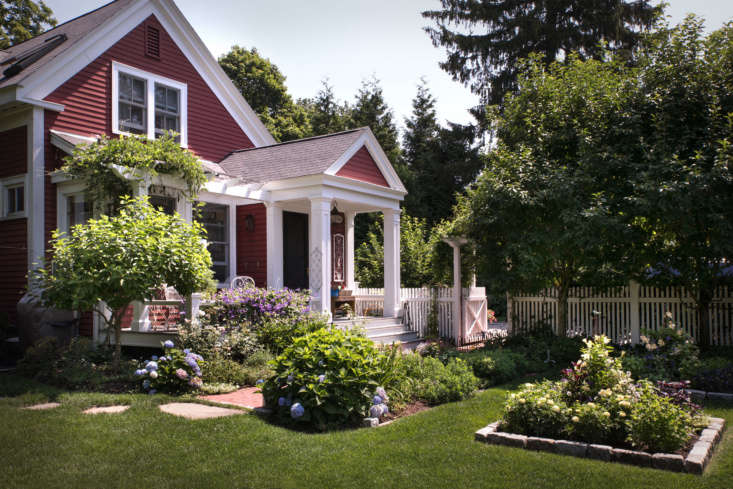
column 327, row 115
column 262, row 85
column 22, row 19
column 485, row 40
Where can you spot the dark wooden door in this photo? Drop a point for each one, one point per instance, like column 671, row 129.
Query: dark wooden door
column 295, row 250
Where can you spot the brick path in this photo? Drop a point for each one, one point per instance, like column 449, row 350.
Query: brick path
column 247, row 397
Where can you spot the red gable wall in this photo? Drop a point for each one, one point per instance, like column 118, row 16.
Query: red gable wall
column 87, row 96
column 362, row 167
column 13, row 232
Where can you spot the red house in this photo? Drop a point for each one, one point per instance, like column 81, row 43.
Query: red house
column 282, row 214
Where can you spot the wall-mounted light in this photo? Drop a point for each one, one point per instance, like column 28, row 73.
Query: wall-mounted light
column 249, row 223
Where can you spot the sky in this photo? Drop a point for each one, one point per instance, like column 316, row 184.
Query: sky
column 347, row 41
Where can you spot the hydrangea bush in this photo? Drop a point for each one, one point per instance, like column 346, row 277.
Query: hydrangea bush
column 598, row 402
column 175, row 371
column 326, row 378
column 249, row 306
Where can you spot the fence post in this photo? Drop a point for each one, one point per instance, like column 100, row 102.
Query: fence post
column 509, row 313
column 634, row 306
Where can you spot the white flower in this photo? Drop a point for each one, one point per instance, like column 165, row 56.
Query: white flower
column 575, row 419
column 556, row 409
column 622, row 414
column 607, row 414
column 153, row 374
column 522, row 401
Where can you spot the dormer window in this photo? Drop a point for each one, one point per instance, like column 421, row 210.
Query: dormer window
column 148, row 104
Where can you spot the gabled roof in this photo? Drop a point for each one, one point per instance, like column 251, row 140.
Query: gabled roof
column 90, row 35
column 74, row 30
column 291, row 159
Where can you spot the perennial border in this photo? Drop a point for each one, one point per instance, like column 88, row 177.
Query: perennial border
column 695, row 462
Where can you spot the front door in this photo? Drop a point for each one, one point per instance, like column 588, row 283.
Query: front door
column 295, row 250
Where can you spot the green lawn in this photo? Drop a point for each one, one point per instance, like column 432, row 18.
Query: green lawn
column 434, row 449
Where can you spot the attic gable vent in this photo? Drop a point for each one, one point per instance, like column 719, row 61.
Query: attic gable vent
column 152, row 42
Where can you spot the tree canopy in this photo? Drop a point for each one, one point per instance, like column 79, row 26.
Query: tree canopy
column 486, row 40
column 124, row 258
column 22, row 19
column 262, row 85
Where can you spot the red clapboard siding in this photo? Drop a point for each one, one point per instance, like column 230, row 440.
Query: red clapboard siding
column 13, row 232
column 362, row 167
column 252, row 245
column 87, row 96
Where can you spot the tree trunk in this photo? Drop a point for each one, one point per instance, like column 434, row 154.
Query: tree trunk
column 118, row 345
column 562, row 309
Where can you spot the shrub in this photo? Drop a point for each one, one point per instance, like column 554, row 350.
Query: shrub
column 714, row 379
column 657, row 424
column 175, row 371
column 233, row 343
column 428, row 379
column 597, row 402
column 250, row 306
column 325, row 378
column 496, row 367
column 277, row 333
column 80, row 364
column 220, row 369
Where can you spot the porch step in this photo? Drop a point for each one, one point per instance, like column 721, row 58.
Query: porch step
column 382, row 330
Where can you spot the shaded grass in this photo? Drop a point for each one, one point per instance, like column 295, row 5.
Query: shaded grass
column 144, row 447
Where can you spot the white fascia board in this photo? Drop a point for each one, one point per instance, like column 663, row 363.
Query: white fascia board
column 368, row 140
column 40, row 84
column 234, row 189
column 338, row 182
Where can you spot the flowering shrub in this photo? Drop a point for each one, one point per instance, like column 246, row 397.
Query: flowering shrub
column 716, row 379
column 325, row 378
column 249, row 306
column 236, row 344
column 175, row 371
column 277, row 333
column 597, row 402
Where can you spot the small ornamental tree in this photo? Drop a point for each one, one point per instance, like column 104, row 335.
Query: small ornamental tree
column 122, row 259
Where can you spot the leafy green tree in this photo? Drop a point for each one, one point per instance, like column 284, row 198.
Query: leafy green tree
column 441, row 161
column 327, row 115
column 262, row 85
column 22, row 19
column 122, row 259
column 682, row 197
column 485, row 40
column 540, row 214
column 417, row 243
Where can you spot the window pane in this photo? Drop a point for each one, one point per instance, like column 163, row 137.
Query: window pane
column 167, row 204
column 138, row 91
column 125, row 87
column 172, row 100
column 159, row 96
column 215, row 219
column 20, row 199
column 11, row 201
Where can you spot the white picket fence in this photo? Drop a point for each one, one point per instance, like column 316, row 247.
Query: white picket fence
column 624, row 312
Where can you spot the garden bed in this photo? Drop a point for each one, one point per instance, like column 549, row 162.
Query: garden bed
column 692, row 461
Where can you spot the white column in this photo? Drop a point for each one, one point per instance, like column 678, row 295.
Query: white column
column 319, row 258
column 274, row 216
column 35, row 191
column 457, row 306
column 350, row 264
column 392, row 303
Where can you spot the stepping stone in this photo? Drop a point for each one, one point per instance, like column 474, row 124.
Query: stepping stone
column 45, row 405
column 191, row 410
column 106, row 409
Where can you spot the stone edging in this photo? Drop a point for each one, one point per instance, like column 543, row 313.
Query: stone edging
column 695, row 462
column 713, row 396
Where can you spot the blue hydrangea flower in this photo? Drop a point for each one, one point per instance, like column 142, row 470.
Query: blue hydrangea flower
column 154, row 358
column 146, row 384
column 186, row 351
column 163, row 359
column 290, row 378
column 382, row 393
column 321, row 378
column 140, row 372
column 376, row 411
column 281, row 401
column 385, row 409
column 151, row 366
column 260, row 381
column 168, row 344
column 297, row 410
column 376, row 400
column 152, row 391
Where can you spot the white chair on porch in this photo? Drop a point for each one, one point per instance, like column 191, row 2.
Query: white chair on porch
column 241, row 281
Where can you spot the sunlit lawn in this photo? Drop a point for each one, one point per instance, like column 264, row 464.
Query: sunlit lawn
column 433, row 449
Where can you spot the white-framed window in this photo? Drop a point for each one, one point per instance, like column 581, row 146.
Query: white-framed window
column 215, row 219
column 14, row 197
column 148, row 104
column 78, row 210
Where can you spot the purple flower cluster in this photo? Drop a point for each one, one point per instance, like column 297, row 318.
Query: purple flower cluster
column 250, row 305
column 173, row 372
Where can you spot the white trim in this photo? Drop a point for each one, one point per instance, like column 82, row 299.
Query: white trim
column 41, row 83
column 375, row 150
column 9, row 183
column 274, row 243
column 36, row 190
column 150, row 80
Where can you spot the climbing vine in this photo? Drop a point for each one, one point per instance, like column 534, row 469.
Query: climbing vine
column 95, row 164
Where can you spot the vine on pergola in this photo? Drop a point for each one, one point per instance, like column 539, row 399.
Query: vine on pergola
column 99, row 165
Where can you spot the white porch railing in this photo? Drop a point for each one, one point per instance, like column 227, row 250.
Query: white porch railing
column 163, row 315
column 417, row 305
column 624, row 311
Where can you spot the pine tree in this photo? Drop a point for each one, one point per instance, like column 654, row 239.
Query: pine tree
column 327, row 115
column 486, row 39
